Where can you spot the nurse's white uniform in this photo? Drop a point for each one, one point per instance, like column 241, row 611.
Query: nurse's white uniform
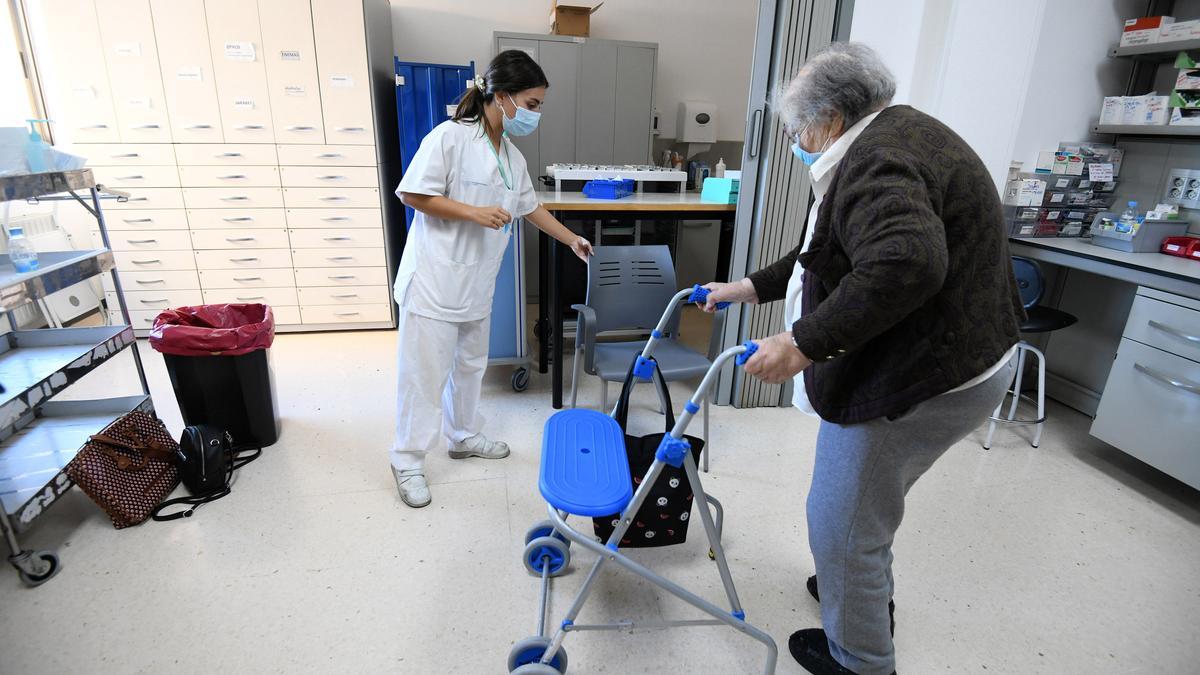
column 445, row 284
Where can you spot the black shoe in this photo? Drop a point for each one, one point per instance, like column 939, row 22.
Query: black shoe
column 810, row 648
column 812, row 590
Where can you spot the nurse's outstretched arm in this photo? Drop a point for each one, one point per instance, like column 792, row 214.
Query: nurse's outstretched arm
column 550, row 225
column 491, row 217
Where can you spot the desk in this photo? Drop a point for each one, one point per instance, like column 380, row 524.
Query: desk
column 1154, row 270
column 664, row 206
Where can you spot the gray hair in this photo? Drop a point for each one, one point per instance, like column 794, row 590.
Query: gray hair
column 846, row 78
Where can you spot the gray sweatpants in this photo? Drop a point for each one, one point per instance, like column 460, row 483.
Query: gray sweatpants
column 862, row 474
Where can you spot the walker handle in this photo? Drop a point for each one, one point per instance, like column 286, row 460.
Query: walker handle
column 751, row 347
column 700, row 295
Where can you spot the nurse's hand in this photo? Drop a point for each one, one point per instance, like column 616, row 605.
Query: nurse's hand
column 491, row 217
column 582, row 248
column 777, row 360
column 738, row 291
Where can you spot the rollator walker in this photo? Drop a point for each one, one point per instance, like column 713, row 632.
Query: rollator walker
column 585, row 472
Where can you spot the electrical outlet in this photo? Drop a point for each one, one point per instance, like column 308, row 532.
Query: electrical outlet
column 1183, row 188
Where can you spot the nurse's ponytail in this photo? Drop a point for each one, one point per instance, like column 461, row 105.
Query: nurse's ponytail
column 510, row 72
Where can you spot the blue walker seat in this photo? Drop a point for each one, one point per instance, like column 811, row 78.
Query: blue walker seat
column 584, row 471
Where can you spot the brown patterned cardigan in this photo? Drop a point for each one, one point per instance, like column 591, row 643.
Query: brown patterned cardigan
column 908, row 285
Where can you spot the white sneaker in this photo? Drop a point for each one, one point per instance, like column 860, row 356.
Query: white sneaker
column 414, row 491
column 479, row 446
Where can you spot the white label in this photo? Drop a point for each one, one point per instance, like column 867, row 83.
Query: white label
column 1173, row 247
column 140, row 103
column 239, row 51
column 289, row 54
column 243, row 104
column 450, row 110
column 1057, row 197
column 1100, row 173
column 84, row 92
column 293, row 90
column 192, row 74
column 1063, row 183
column 343, row 81
column 128, row 49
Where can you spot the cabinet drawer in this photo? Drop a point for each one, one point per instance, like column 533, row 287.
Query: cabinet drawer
column 223, row 176
column 315, row 176
column 147, row 198
column 224, row 198
column 334, row 196
column 127, row 178
column 160, row 300
column 151, row 240
column 134, row 261
column 155, row 281
column 332, row 257
column 224, row 219
column 285, row 295
column 341, row 276
column 286, row 315
column 214, row 279
column 131, row 54
column 326, row 155
column 80, row 99
column 203, row 240
column 149, row 219
column 348, row 295
column 227, row 154
column 125, row 154
column 1147, row 416
column 337, row 238
column 342, row 66
column 244, row 260
column 340, row 218
column 1169, row 327
column 321, row 314
column 181, row 31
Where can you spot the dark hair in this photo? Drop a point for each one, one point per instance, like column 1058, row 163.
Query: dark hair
column 510, row 72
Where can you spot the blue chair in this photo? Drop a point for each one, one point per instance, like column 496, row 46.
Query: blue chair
column 1031, row 285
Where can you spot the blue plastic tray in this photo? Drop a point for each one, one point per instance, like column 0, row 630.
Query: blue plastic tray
column 609, row 189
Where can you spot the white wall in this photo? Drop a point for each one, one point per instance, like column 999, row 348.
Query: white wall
column 704, row 46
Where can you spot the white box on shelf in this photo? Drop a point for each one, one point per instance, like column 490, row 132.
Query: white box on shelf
column 1182, row 30
column 1156, row 110
column 1130, row 109
column 1112, row 110
column 1143, row 30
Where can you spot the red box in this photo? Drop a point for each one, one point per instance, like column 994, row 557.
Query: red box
column 1143, row 30
column 1183, row 247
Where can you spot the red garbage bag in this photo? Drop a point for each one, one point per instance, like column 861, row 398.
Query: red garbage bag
column 213, row 330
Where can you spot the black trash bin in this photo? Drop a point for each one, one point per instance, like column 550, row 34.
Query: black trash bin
column 218, row 358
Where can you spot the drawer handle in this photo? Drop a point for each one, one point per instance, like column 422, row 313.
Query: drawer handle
column 142, row 241
column 1177, row 382
column 330, row 155
column 335, row 219
column 247, row 279
column 131, row 221
column 131, row 178
column 243, row 259
column 346, row 313
column 95, row 126
column 351, row 130
column 233, row 176
column 249, row 127
column 138, row 199
column 342, row 277
column 228, row 154
column 333, row 199
column 234, row 240
column 193, row 127
column 126, row 155
column 154, row 302
column 331, row 178
column 340, row 258
column 146, row 262
column 302, row 128
column 147, row 126
column 345, row 295
column 1171, row 330
column 148, row 281
column 338, row 238
column 249, row 298
column 238, row 219
column 236, row 198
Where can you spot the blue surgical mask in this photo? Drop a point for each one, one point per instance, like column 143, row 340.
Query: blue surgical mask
column 805, row 156
column 523, row 123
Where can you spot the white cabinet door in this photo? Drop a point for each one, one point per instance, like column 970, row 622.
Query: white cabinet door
column 237, row 55
column 187, row 72
column 127, row 33
column 345, row 77
column 288, row 53
column 79, row 99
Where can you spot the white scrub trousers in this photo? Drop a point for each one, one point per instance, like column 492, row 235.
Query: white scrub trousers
column 440, row 378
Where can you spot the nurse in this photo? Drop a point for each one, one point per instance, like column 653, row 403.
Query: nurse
column 467, row 184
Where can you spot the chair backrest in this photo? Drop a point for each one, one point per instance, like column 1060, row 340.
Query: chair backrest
column 629, row 287
column 1029, row 280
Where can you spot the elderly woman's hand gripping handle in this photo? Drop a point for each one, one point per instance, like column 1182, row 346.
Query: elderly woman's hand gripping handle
column 724, row 294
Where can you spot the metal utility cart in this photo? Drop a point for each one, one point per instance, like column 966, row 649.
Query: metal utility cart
column 39, row 436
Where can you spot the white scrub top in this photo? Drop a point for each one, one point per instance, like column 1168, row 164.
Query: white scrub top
column 449, row 267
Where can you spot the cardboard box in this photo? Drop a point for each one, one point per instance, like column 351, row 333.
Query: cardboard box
column 572, row 19
column 1143, row 30
column 1184, row 30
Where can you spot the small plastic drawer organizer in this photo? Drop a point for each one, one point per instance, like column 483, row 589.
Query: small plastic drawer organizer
column 1146, row 238
column 609, row 189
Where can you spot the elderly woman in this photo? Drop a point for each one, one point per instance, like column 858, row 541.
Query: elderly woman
column 902, row 315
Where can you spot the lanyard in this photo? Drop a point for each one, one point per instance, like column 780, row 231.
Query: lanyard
column 503, row 176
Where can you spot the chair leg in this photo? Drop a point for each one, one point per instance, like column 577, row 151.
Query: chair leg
column 1021, row 351
column 987, row 442
column 707, row 437
column 1041, row 396
column 576, row 366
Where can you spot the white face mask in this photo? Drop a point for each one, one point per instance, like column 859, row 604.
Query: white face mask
column 523, row 122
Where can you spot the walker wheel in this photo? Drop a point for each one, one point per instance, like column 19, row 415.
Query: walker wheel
column 51, row 560
column 546, row 551
column 525, row 658
column 544, row 528
column 520, row 379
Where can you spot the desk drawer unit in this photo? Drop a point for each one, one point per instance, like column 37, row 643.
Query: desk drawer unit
column 1170, row 326
column 238, row 279
column 315, row 218
column 203, row 240
column 332, row 257
column 260, row 259
column 337, row 238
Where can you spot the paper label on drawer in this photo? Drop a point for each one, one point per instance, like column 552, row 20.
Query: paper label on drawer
column 141, row 102
column 128, row 49
column 84, row 92
column 192, row 74
column 289, row 54
column 239, row 51
column 243, row 103
column 344, row 81
column 1100, row 173
column 293, row 90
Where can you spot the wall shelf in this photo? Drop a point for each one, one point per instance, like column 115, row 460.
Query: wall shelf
column 1148, row 130
column 1160, row 52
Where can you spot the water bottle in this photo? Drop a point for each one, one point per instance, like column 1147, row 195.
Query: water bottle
column 21, row 252
column 1128, row 221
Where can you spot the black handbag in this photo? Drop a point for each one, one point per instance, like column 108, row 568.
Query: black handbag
column 206, row 460
column 664, row 516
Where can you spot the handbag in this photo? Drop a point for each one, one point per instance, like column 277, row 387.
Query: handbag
column 206, row 459
column 128, row 468
column 663, row 518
